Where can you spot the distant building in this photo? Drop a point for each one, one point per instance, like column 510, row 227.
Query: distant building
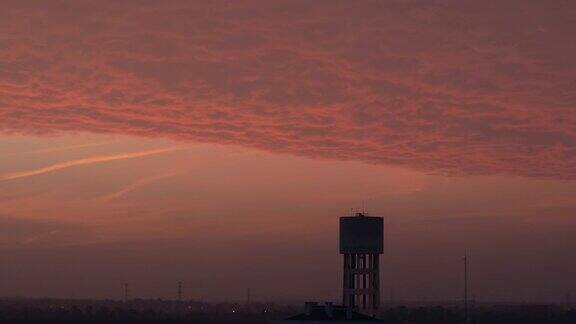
column 328, row 313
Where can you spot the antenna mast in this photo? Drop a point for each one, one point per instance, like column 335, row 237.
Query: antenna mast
column 466, row 286
column 125, row 292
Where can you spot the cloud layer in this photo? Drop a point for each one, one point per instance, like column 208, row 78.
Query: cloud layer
column 446, row 87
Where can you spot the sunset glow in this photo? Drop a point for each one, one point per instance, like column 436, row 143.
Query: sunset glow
column 219, row 141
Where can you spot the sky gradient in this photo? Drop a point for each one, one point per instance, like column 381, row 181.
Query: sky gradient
column 216, row 143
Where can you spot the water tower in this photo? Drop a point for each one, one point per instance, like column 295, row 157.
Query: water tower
column 361, row 243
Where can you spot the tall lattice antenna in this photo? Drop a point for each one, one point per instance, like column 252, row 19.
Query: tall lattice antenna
column 466, row 286
column 126, row 291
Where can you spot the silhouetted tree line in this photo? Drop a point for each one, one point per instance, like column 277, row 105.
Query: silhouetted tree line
column 113, row 316
column 519, row 314
column 138, row 312
column 159, row 312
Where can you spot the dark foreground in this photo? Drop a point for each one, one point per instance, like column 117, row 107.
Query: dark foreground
column 171, row 312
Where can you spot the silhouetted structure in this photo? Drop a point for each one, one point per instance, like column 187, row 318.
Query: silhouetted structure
column 328, row 313
column 361, row 243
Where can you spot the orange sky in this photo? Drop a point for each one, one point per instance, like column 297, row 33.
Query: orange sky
column 216, row 143
column 212, row 215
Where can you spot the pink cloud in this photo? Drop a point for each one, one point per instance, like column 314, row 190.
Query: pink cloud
column 458, row 88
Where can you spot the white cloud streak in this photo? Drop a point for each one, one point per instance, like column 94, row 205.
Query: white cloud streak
column 86, row 161
column 137, row 184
